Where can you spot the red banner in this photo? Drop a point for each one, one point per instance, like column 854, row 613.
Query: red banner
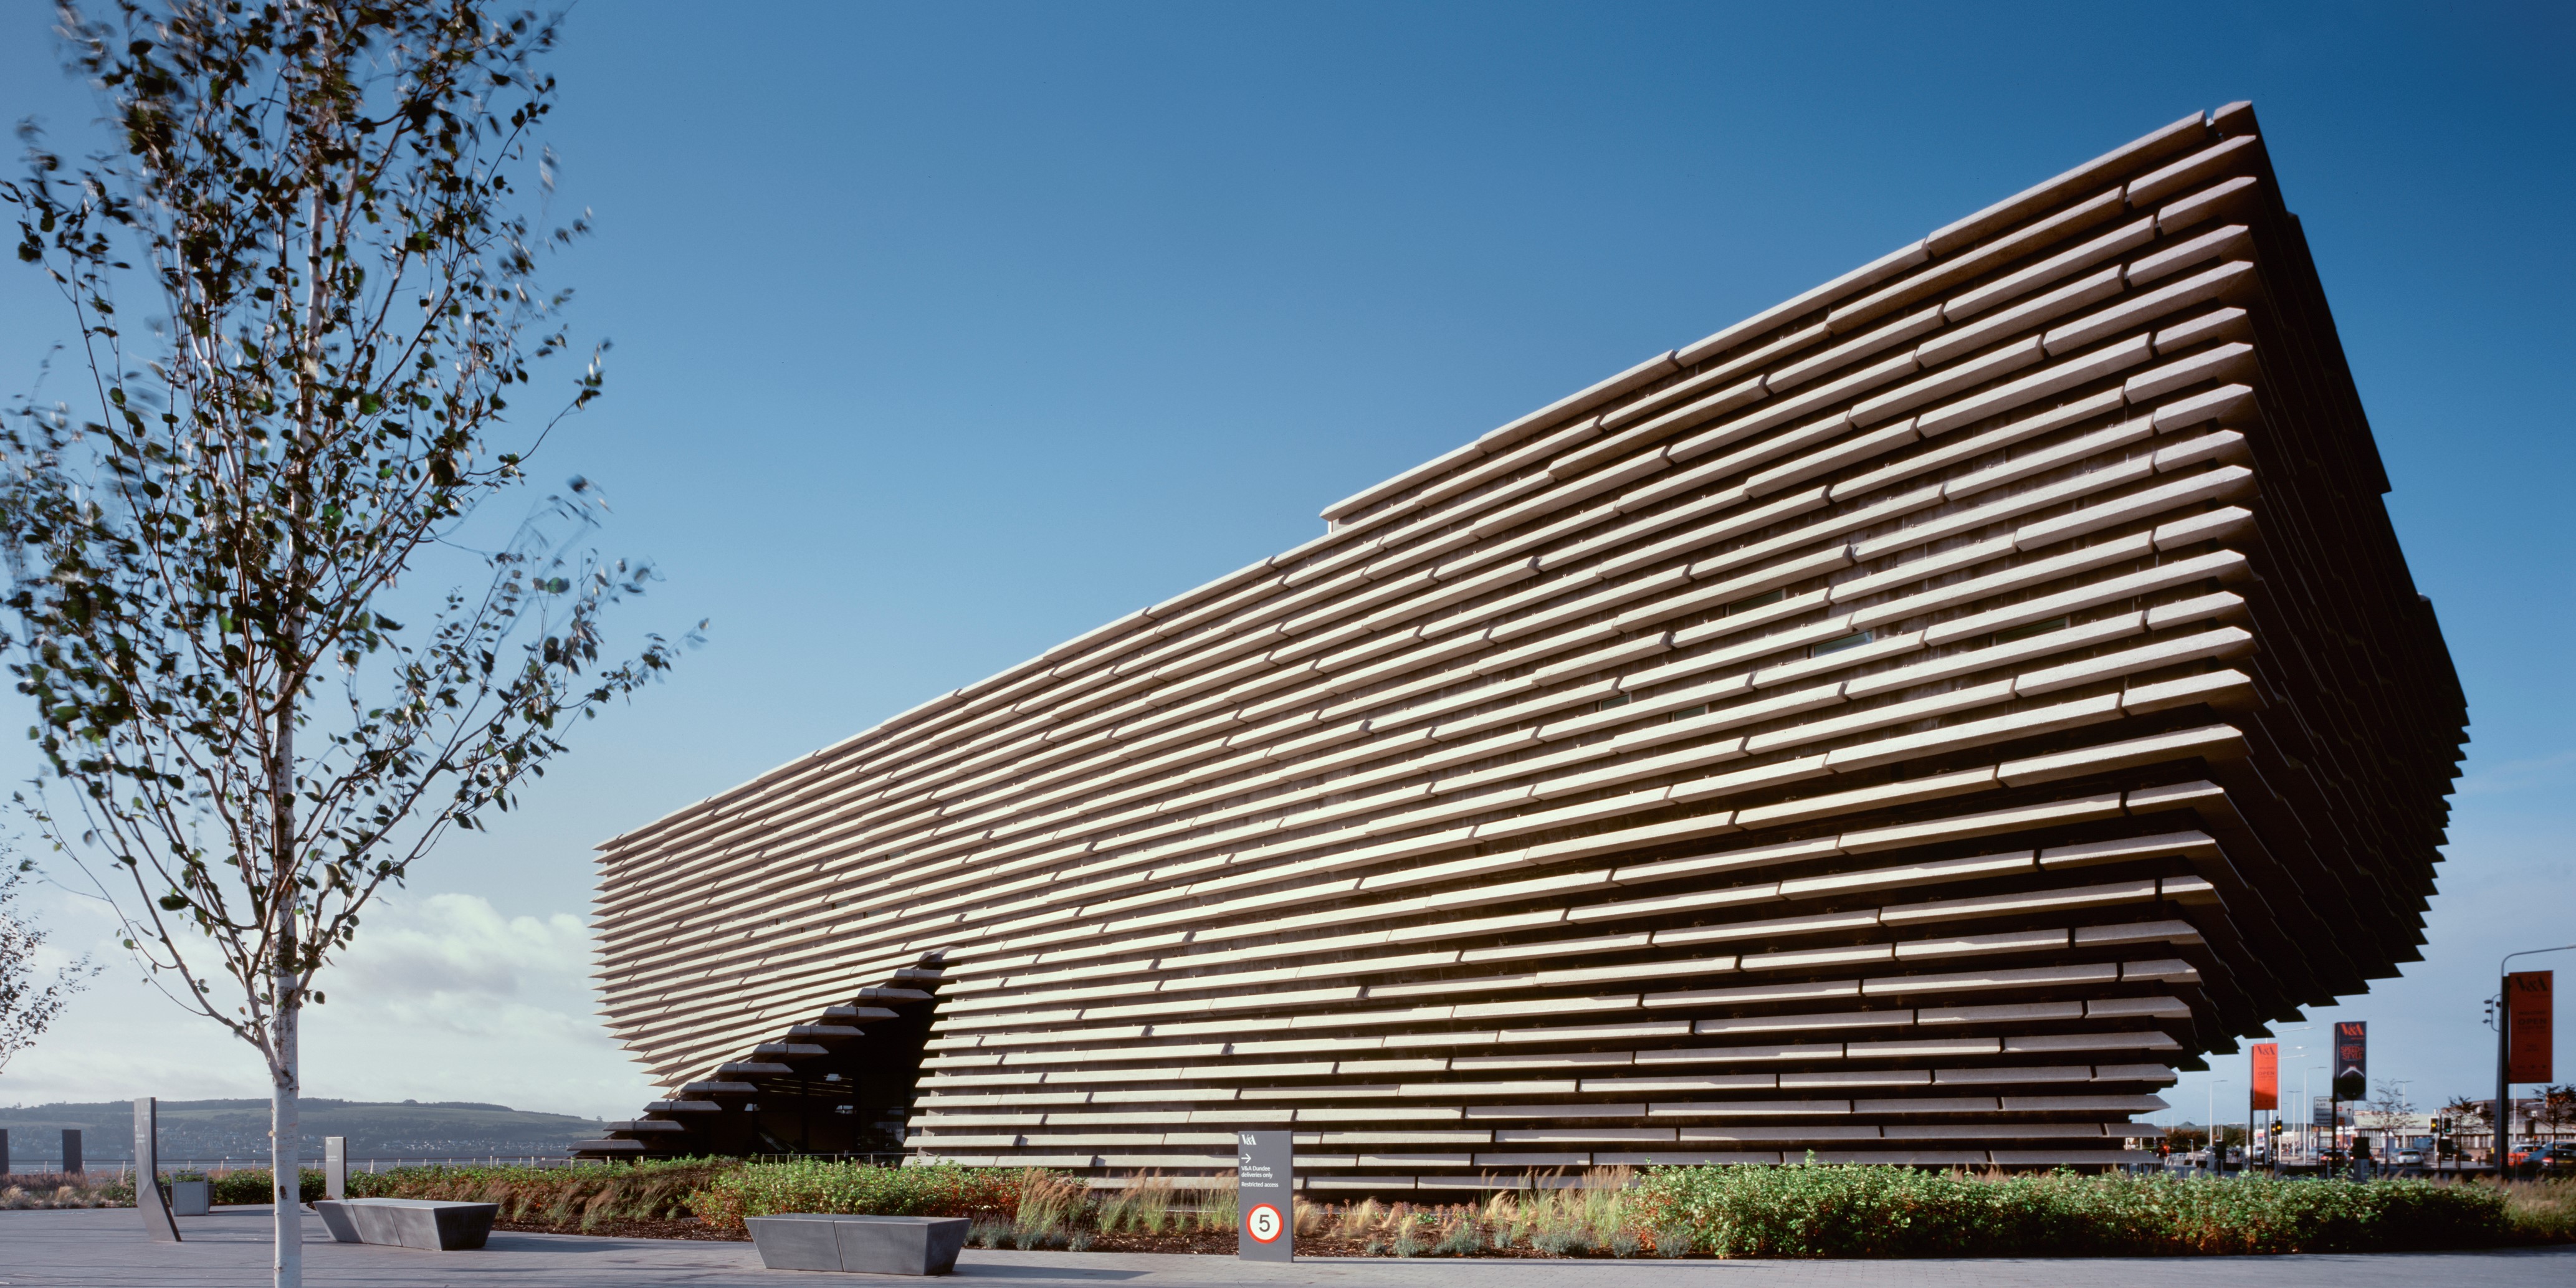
column 2526, row 1002
column 2267, row 1075
column 2352, row 1060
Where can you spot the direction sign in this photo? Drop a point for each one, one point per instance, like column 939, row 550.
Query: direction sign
column 1265, row 1179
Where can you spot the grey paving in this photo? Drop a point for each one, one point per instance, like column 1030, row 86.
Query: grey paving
column 106, row 1248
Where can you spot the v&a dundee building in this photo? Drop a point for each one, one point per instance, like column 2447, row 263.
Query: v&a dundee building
column 1906, row 725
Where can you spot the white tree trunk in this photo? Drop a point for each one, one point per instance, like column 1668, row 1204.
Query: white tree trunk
column 286, row 1171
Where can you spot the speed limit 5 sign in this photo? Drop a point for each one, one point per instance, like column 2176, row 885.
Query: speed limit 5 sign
column 1265, row 1184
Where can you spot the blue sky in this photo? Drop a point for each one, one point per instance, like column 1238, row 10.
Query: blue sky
column 946, row 332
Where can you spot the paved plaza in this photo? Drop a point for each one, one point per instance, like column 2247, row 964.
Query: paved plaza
column 105, row 1248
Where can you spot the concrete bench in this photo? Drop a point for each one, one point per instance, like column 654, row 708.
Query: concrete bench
column 884, row 1245
column 426, row 1224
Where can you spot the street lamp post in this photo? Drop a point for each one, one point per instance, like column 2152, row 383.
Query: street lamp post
column 2217, row 1153
column 2307, row 1092
column 2388, row 1131
column 2306, row 1111
column 2504, row 1055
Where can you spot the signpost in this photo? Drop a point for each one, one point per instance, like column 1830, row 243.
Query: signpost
column 335, row 1167
column 2264, row 1094
column 2351, row 1079
column 2352, row 1060
column 1265, row 1182
column 2524, row 999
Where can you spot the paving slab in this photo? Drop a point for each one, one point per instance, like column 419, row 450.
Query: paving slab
column 107, row 1248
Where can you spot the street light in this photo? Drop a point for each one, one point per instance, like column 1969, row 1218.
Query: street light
column 2307, row 1093
column 2307, row 1111
column 2388, row 1130
column 2217, row 1155
column 2504, row 1056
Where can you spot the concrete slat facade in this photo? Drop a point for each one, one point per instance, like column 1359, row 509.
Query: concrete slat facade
column 1906, row 725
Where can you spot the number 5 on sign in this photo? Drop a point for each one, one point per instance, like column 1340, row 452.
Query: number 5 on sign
column 1264, row 1223
column 1266, row 1185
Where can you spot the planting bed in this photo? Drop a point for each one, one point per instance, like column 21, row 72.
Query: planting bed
column 1732, row 1212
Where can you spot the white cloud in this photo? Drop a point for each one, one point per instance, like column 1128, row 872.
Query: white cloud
column 441, row 997
column 455, row 951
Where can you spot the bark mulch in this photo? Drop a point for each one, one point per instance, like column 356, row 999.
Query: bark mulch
column 687, row 1227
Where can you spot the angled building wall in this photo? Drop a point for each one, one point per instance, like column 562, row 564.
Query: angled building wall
column 1904, row 725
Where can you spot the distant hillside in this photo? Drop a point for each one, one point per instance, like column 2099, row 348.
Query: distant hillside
column 238, row 1129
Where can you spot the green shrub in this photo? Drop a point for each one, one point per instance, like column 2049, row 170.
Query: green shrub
column 580, row 1196
column 1860, row 1211
column 243, row 1185
column 815, row 1185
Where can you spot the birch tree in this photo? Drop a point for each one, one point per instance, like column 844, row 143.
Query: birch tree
column 305, row 285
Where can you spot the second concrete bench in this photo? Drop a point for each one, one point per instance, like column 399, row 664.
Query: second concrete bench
column 885, row 1245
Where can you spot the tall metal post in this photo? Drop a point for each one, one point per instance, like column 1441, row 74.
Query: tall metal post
column 2504, row 1089
column 2217, row 1151
column 2334, row 1124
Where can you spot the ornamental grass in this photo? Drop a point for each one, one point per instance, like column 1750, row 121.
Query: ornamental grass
column 62, row 1190
column 1861, row 1211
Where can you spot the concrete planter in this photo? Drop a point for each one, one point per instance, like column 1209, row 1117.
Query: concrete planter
column 884, row 1245
column 409, row 1223
column 192, row 1198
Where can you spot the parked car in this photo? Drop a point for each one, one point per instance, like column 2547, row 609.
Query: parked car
column 2406, row 1158
column 2557, row 1158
